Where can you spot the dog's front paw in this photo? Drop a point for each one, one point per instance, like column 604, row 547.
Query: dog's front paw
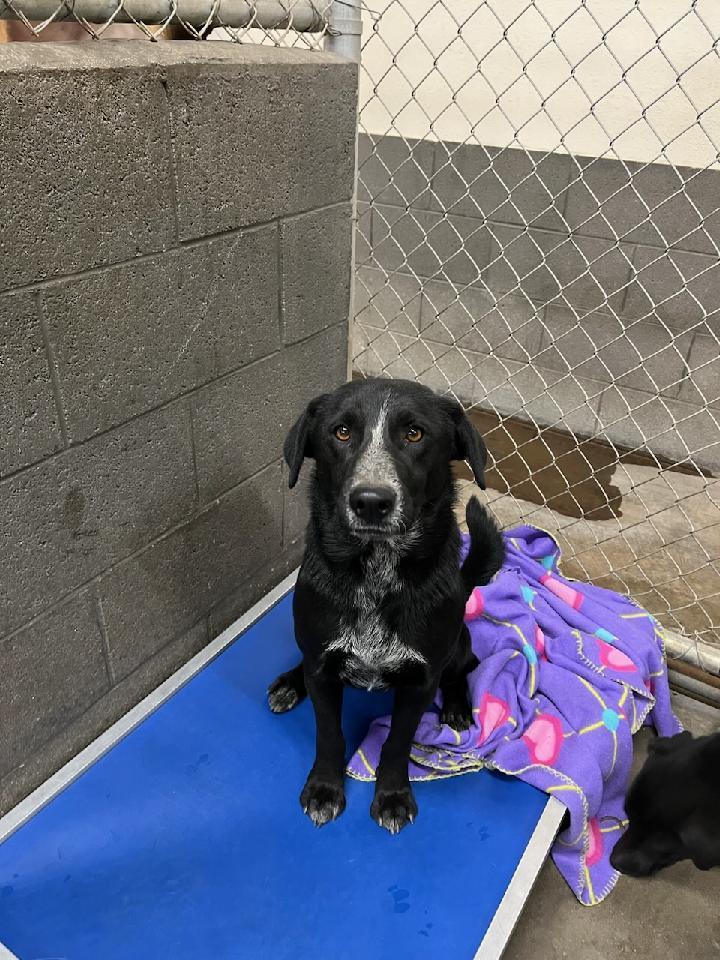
column 286, row 692
column 394, row 809
column 322, row 800
column 456, row 712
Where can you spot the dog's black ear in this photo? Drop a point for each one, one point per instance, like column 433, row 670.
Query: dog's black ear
column 468, row 444
column 298, row 444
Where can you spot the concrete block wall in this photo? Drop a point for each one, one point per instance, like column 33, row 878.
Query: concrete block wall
column 561, row 322
column 175, row 227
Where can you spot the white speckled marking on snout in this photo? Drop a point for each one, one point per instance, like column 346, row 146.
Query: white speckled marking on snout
column 375, row 465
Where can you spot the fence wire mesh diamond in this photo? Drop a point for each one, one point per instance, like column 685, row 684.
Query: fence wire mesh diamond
column 538, row 222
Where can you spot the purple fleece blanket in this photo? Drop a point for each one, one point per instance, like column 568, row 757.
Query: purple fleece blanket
column 568, row 673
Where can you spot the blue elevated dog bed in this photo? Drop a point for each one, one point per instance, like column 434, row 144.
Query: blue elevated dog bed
column 178, row 836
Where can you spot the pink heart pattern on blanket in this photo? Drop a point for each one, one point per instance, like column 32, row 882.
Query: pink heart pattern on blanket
column 544, row 738
column 614, row 658
column 493, row 713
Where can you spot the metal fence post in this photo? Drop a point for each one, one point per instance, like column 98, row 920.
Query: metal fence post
column 345, row 34
column 345, row 38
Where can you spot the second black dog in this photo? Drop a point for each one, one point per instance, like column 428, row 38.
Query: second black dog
column 380, row 596
column 673, row 808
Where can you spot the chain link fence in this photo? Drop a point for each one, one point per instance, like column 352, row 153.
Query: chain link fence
column 538, row 230
column 286, row 23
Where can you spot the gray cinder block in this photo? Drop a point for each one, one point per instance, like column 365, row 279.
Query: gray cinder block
column 503, row 185
column 388, row 303
column 29, row 427
column 656, row 204
column 128, row 339
column 67, row 740
column 678, row 287
column 69, row 518
column 509, row 325
column 156, row 595
column 52, row 671
column 240, row 422
column 430, row 245
column 395, row 170
column 264, row 134
column 87, row 148
column 316, row 262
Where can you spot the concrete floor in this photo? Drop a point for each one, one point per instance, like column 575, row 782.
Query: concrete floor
column 674, row 916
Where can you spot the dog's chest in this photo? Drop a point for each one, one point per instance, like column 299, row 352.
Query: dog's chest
column 372, row 651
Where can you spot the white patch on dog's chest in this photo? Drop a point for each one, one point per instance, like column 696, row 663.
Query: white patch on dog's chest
column 371, row 653
column 372, row 650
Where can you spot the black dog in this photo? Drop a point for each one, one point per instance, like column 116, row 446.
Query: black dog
column 673, row 807
column 380, row 596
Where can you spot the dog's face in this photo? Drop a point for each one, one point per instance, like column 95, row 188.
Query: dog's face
column 673, row 808
column 382, row 450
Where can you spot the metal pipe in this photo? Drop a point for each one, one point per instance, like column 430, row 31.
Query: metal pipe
column 695, row 689
column 700, row 676
column 702, row 656
column 305, row 16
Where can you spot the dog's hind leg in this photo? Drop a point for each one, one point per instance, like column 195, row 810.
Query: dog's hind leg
column 456, row 710
column 287, row 690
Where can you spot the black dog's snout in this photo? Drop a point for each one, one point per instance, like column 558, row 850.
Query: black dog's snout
column 372, row 504
column 619, row 859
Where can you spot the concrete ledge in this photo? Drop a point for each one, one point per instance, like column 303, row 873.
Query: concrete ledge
column 128, row 54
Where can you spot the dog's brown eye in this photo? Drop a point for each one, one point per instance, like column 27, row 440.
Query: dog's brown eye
column 342, row 433
column 414, row 434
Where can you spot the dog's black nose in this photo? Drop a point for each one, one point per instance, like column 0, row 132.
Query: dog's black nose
column 372, row 504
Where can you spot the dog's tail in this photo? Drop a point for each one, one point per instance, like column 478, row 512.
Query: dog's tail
column 487, row 548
